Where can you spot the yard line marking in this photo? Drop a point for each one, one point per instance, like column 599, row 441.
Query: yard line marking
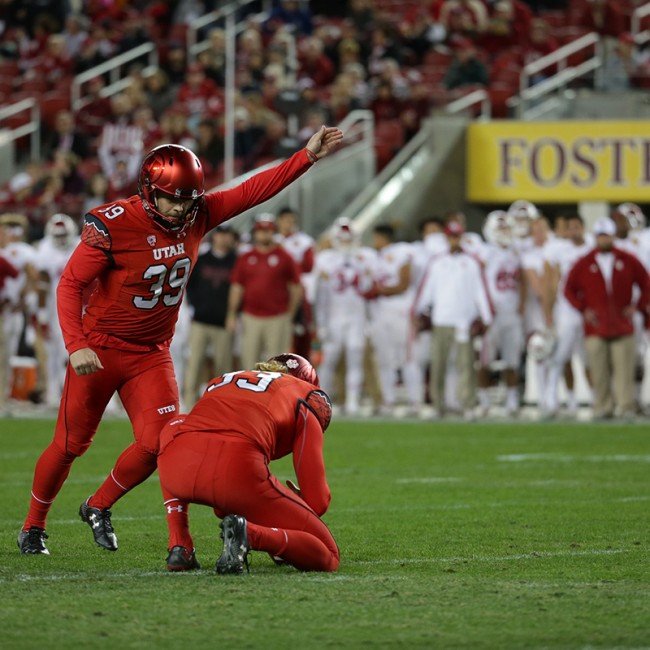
column 533, row 555
column 79, row 480
column 23, row 577
column 628, row 499
column 569, row 458
column 146, row 574
column 136, row 573
column 429, row 479
column 61, row 522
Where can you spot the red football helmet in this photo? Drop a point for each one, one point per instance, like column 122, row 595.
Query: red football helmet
column 297, row 366
column 176, row 172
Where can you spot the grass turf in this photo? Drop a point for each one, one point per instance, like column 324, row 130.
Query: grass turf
column 452, row 535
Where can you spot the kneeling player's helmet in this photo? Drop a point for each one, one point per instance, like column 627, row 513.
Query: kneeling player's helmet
column 297, row 366
column 175, row 172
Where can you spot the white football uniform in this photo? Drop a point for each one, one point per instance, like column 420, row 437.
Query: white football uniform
column 636, row 243
column 505, row 337
column 301, row 248
column 20, row 254
column 391, row 324
column 533, row 260
column 567, row 321
column 52, row 260
column 341, row 279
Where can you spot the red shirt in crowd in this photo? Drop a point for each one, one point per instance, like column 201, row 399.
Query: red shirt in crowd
column 265, row 277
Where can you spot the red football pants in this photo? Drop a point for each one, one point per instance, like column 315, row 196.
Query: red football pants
column 231, row 476
column 146, row 384
column 147, row 387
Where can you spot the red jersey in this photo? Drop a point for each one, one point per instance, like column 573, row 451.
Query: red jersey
column 266, row 277
column 142, row 270
column 278, row 413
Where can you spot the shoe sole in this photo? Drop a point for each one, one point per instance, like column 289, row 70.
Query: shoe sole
column 234, row 562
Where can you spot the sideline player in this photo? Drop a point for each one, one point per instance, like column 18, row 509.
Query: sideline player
column 219, row 455
column 140, row 252
column 53, row 253
column 343, row 275
column 505, row 337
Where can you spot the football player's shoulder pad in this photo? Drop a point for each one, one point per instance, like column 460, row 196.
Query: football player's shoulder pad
column 318, row 402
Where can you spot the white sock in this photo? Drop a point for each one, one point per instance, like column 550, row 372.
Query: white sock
column 484, row 398
column 512, row 398
column 571, row 401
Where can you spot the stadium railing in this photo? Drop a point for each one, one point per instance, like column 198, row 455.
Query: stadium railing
column 641, row 36
column 119, row 80
column 30, row 126
column 533, row 101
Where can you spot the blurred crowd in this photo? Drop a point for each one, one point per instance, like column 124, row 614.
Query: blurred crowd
column 444, row 325
column 400, row 59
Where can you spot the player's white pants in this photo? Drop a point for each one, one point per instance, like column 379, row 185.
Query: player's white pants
column 14, row 325
column 390, row 331
column 57, row 357
column 348, row 337
column 179, row 347
column 570, row 341
column 504, row 339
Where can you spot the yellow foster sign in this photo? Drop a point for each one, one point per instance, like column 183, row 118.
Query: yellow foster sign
column 558, row 162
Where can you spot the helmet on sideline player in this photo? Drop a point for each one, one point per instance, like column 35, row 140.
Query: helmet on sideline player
column 296, row 366
column 344, row 238
column 522, row 213
column 175, row 172
column 497, row 228
column 634, row 215
column 61, row 229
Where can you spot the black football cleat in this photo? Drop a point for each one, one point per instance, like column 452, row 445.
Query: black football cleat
column 100, row 523
column 180, row 559
column 32, row 541
column 235, row 545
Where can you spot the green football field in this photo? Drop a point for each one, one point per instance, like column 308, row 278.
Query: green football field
column 452, row 535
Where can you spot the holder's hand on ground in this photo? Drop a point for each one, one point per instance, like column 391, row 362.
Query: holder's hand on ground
column 324, row 141
column 85, row 361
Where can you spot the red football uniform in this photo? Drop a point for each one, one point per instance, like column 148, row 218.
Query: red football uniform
column 218, row 456
column 140, row 271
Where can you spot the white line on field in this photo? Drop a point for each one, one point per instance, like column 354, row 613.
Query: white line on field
column 533, row 555
column 65, row 522
column 78, row 480
column 118, row 575
column 627, row 499
column 429, row 479
column 569, row 458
